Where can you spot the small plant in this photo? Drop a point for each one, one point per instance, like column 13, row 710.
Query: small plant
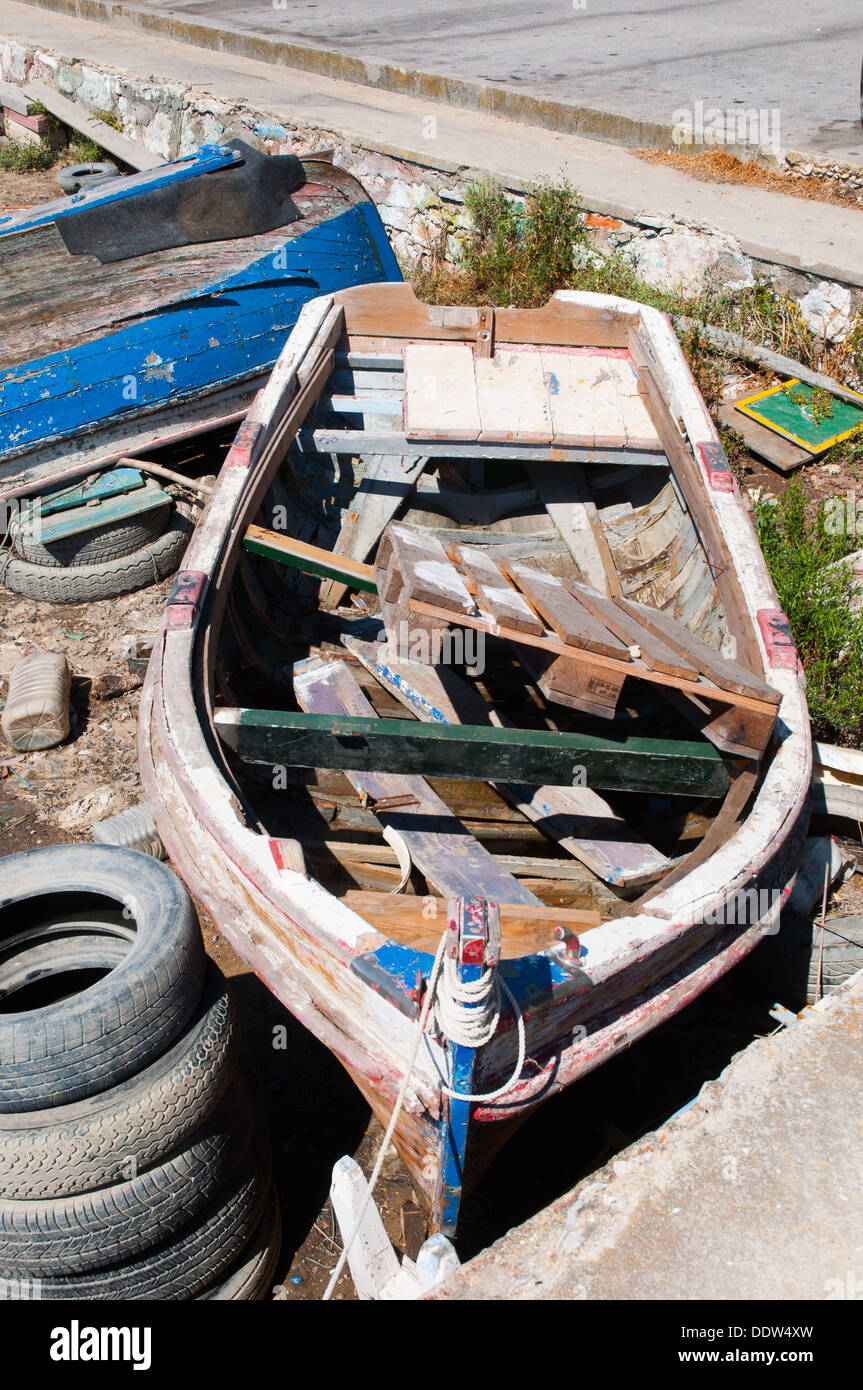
column 818, row 595
column 107, row 118
column 25, row 158
column 818, row 406
column 37, row 108
column 84, row 151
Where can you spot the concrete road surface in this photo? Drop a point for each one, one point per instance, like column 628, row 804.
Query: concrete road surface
column 639, row 58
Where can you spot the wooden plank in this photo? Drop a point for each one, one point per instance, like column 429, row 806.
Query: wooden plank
column 566, row 497
column 563, row 612
column 576, row 817
column 619, row 619
column 549, row 643
column 440, row 400
column 439, row 845
column 568, row 683
column 494, row 592
column 512, row 398
column 71, row 114
column 366, row 743
column 418, row 922
column 388, row 480
column 721, row 670
column 311, row 559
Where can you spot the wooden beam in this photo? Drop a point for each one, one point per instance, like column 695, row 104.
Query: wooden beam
column 355, row 442
column 407, row 747
column 311, row 559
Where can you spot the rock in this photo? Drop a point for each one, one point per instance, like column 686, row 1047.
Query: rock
column 826, row 310
column 687, row 262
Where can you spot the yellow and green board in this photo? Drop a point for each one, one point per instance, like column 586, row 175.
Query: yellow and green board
column 804, row 415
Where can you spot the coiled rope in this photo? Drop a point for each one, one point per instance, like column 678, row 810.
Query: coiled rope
column 465, row 1013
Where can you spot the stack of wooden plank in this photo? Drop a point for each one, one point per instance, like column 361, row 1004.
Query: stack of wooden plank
column 584, row 643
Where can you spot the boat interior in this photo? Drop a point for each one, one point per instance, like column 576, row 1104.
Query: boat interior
column 407, row 501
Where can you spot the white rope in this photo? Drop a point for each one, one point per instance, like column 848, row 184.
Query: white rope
column 467, row 1014
column 454, row 1010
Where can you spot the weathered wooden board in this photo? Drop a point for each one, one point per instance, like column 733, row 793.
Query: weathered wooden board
column 512, row 398
column 419, row 923
column 311, row 559
column 128, row 151
column 654, row 651
column 778, row 452
column 438, row 843
column 566, row 497
column 440, row 392
column 494, row 592
column 721, row 670
column 563, row 612
column 576, row 817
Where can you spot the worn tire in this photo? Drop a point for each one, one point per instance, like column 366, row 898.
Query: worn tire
column 79, row 1147
column 84, row 1044
column 90, row 583
column 71, row 1235
column 93, row 547
column 252, row 1275
column 75, row 177
column 789, row 961
column 182, row 1268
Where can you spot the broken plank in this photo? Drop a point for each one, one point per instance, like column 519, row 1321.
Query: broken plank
column 311, row 559
column 564, row 613
column 567, row 499
column 366, row 743
column 439, row 845
column 622, row 622
column 576, row 817
column 547, row 642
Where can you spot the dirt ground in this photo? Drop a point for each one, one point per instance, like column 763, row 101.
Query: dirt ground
column 315, row 1113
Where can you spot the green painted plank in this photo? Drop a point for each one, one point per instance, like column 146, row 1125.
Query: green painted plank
column 100, row 512
column 323, row 564
column 400, row 746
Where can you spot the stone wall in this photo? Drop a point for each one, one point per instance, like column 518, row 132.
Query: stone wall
column 422, row 206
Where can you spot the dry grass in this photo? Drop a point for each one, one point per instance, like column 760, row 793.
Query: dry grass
column 719, row 166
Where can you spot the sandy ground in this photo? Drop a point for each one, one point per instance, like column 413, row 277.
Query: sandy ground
column 315, row 1113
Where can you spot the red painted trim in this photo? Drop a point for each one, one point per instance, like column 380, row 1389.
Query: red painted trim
column 776, row 635
column 240, row 453
column 184, row 600
column 716, row 467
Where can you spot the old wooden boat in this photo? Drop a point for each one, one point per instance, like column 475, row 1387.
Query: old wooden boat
column 577, row 819
column 156, row 304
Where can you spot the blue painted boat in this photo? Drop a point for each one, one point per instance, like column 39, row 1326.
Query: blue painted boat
column 156, row 304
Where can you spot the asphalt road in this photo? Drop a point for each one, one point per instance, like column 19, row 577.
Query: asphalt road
column 646, row 59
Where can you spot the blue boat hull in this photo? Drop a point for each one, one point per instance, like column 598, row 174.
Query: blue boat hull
column 227, row 331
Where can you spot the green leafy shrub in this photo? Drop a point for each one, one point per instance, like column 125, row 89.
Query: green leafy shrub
column 817, row 596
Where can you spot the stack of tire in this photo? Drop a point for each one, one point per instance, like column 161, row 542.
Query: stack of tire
column 99, row 564
column 134, row 1163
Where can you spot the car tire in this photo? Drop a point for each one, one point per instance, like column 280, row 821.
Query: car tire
column 61, row 1051
column 78, row 1147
